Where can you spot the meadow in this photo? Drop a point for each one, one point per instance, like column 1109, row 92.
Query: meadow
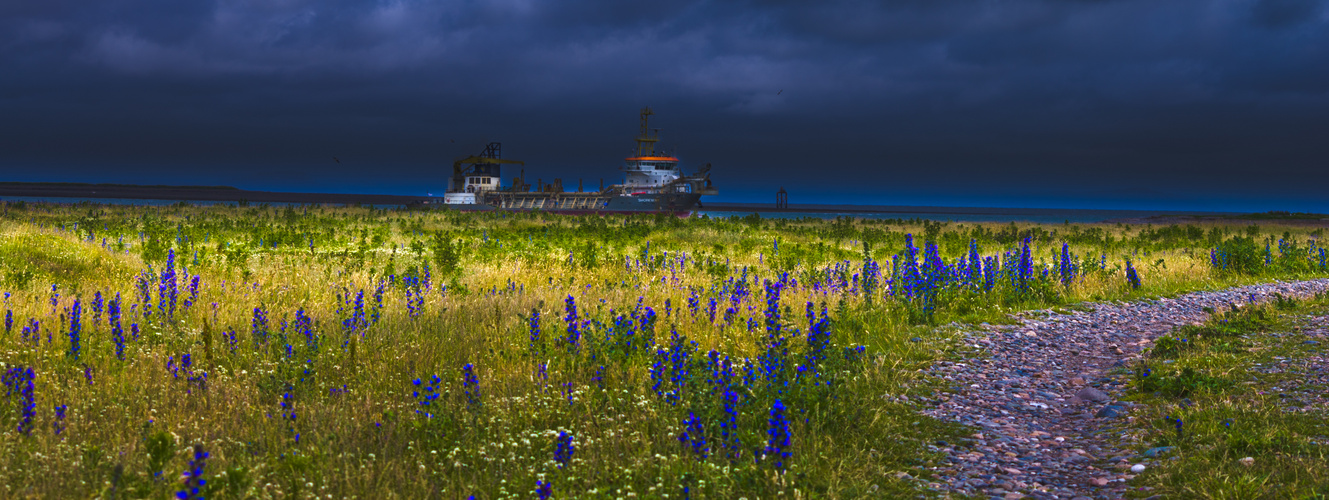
column 347, row 352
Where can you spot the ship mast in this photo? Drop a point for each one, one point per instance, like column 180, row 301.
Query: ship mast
column 646, row 141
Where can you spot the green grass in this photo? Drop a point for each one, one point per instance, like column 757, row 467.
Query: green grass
column 1218, row 384
column 131, row 430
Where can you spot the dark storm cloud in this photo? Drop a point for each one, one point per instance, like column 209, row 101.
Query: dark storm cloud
column 1002, row 102
column 1282, row 13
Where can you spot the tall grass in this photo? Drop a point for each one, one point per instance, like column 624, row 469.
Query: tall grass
column 299, row 384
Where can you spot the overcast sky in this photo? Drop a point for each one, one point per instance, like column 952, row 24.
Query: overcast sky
column 1220, row 105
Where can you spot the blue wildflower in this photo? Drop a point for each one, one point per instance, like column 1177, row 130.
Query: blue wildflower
column 729, row 425
column 19, row 380
column 288, row 414
column 193, row 476
column 1131, row 276
column 533, row 325
column 694, row 436
column 117, row 332
column 471, row 385
column 58, row 425
column 563, row 449
column 425, row 394
column 573, row 338
column 97, row 307
column 75, row 328
column 600, row 376
column 193, row 291
column 260, row 327
column 777, row 444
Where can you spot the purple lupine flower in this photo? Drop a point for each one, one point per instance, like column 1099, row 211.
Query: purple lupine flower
column 599, row 377
column 193, row 291
column 471, row 385
column 231, row 341
column 694, row 437
column 58, row 425
column 97, row 307
column 117, row 332
column 574, row 332
column 563, row 449
column 1065, row 267
column 288, row 412
column 378, row 302
column 533, row 325
column 75, row 329
column 729, row 425
column 260, row 326
column 19, row 380
column 167, row 290
column 777, row 445
column 426, row 398
column 193, row 476
column 1131, row 276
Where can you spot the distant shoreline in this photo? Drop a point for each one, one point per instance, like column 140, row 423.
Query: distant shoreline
column 914, row 209
column 94, row 192
column 194, row 193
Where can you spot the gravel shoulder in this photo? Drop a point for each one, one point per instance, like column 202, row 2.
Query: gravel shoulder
column 1039, row 395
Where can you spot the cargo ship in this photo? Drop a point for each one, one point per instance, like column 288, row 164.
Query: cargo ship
column 653, row 183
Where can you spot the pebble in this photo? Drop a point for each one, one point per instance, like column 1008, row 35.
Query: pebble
column 1033, row 392
column 1155, row 452
column 1109, row 411
column 1092, row 394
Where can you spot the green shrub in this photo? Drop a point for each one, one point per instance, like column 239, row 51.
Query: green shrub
column 1242, row 255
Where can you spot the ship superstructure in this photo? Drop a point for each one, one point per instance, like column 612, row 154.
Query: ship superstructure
column 653, row 182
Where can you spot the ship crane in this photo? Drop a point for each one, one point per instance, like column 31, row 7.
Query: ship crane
column 473, row 175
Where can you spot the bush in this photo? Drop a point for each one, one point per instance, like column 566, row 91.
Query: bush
column 447, row 254
column 1239, row 255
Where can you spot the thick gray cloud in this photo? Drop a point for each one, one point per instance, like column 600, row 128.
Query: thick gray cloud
column 1187, row 103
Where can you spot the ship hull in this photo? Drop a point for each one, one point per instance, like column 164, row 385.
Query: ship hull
column 679, row 204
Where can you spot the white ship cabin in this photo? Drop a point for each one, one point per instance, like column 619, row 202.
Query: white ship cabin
column 478, row 183
column 650, row 171
column 472, row 186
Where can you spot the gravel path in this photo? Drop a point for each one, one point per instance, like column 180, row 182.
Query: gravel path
column 1046, row 421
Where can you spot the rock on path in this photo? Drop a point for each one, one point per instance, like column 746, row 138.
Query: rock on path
column 1043, row 410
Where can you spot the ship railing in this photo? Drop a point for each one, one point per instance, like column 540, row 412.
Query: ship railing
column 549, row 201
